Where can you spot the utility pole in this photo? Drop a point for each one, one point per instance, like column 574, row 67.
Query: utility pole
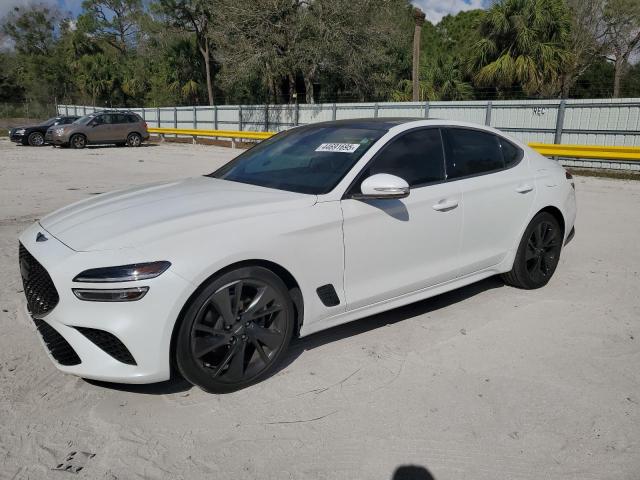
column 419, row 16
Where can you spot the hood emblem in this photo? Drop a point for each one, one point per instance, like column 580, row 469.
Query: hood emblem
column 41, row 237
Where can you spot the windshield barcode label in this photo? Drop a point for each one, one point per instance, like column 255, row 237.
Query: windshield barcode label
column 338, row 147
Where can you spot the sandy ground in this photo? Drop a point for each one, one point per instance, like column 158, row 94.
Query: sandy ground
column 487, row 382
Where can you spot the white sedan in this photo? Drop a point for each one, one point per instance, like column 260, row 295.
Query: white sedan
column 317, row 226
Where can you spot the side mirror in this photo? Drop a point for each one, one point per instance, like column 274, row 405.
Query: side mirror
column 383, row 185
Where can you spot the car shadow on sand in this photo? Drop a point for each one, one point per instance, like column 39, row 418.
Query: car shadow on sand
column 177, row 384
column 390, row 317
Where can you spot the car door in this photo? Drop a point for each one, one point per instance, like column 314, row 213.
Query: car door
column 100, row 129
column 395, row 247
column 497, row 194
column 121, row 127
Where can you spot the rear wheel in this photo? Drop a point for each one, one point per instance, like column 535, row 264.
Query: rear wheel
column 78, row 141
column 236, row 331
column 36, row 139
column 134, row 140
column 538, row 253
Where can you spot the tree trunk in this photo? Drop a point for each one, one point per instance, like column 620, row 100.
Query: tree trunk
column 419, row 18
column 292, row 88
column 618, row 72
column 308, row 90
column 207, row 68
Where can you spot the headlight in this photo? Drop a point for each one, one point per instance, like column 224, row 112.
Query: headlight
column 110, row 295
column 123, row 273
column 59, row 131
column 19, row 131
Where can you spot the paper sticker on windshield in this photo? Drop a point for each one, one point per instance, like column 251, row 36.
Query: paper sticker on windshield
column 338, row 147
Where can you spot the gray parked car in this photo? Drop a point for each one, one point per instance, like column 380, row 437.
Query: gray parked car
column 100, row 128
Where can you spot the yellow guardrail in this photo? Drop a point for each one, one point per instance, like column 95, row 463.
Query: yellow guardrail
column 549, row 150
column 587, row 151
column 244, row 134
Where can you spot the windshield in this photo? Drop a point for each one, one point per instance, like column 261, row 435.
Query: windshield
column 311, row 159
column 84, row 120
column 49, row 121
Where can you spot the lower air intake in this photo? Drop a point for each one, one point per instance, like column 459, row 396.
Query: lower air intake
column 109, row 343
column 60, row 349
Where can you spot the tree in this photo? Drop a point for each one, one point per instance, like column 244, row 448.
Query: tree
column 585, row 40
column 35, row 33
column 419, row 17
column 32, row 29
column 117, row 22
column 196, row 17
column 524, row 44
column 622, row 37
column 456, row 33
column 442, row 79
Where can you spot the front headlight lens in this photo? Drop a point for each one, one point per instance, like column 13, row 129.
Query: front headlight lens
column 59, row 131
column 20, row 131
column 123, row 273
column 110, row 295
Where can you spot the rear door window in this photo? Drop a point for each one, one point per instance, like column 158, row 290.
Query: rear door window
column 471, row 152
column 511, row 154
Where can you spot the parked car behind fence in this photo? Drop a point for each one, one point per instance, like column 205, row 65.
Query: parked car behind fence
column 105, row 127
column 34, row 135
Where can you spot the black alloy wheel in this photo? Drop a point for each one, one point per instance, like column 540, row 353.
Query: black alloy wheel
column 78, row 141
column 36, row 139
column 235, row 331
column 538, row 253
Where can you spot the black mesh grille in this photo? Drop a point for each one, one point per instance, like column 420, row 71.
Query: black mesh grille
column 41, row 294
column 57, row 345
column 109, row 343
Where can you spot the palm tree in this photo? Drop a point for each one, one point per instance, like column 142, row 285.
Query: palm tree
column 439, row 80
column 524, row 43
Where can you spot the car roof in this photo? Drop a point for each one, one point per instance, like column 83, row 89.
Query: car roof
column 380, row 123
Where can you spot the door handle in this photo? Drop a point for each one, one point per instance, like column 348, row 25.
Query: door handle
column 445, row 205
column 524, row 188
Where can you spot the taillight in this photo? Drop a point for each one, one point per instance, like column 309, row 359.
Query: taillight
column 145, row 124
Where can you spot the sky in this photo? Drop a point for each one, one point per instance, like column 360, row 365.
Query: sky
column 434, row 9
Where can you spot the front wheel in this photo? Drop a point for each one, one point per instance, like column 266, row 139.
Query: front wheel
column 78, row 141
column 538, row 253
column 134, row 140
column 36, row 139
column 236, row 330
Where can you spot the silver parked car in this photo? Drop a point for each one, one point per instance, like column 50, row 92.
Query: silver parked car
column 100, row 128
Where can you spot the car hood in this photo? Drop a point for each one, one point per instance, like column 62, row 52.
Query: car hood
column 138, row 216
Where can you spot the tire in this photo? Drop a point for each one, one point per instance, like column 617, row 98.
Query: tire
column 134, row 140
column 538, row 253
column 78, row 141
column 36, row 139
column 222, row 345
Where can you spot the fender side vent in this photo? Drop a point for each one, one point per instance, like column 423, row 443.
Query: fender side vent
column 109, row 343
column 328, row 295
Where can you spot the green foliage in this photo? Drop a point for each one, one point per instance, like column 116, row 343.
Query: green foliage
column 442, row 79
column 522, row 43
column 190, row 52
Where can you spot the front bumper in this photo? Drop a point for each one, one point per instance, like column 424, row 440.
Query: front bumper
column 52, row 139
column 144, row 327
column 17, row 138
